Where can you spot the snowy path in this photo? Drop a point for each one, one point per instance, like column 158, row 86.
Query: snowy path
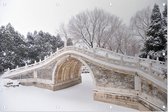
column 76, row 98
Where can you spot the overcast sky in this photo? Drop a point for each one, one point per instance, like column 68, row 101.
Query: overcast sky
column 47, row 15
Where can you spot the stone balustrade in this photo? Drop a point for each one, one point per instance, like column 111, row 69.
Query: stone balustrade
column 145, row 65
column 130, row 83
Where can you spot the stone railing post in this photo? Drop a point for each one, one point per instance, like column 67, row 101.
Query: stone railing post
column 25, row 64
column 138, row 63
column 122, row 61
column 157, row 61
column 137, row 82
column 57, row 49
column 8, row 69
column 150, row 68
column 148, row 57
column 40, row 60
column 35, row 74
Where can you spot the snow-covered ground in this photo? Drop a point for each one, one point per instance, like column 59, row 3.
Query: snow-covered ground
column 76, row 98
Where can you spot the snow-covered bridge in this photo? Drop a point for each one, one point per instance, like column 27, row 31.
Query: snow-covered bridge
column 119, row 79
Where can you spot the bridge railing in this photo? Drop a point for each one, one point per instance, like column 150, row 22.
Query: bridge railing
column 146, row 65
column 160, row 63
column 126, row 92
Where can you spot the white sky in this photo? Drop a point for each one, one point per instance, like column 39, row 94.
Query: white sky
column 47, row 15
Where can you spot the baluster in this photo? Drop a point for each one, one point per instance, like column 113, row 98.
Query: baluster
column 157, row 61
column 150, row 68
column 138, row 61
column 8, row 69
column 148, row 57
column 137, row 82
column 25, row 64
column 122, row 61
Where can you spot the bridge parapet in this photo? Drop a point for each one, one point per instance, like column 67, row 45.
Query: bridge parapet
column 154, row 68
column 132, row 73
column 128, row 98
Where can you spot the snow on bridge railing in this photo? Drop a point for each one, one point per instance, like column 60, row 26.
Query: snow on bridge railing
column 133, row 57
column 111, row 57
column 119, row 57
column 146, row 66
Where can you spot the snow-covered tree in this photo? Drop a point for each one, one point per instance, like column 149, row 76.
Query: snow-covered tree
column 41, row 44
column 164, row 29
column 15, row 50
column 12, row 48
column 155, row 41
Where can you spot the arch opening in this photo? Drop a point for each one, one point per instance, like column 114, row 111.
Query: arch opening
column 67, row 72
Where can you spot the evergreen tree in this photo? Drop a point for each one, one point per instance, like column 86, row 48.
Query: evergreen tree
column 12, row 48
column 155, row 41
column 15, row 50
column 164, row 29
column 41, row 44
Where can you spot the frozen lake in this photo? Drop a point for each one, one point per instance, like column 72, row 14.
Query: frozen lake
column 76, row 98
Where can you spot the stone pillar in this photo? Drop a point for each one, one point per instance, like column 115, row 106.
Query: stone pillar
column 137, row 82
column 150, row 68
column 122, row 61
column 157, row 61
column 148, row 57
column 35, row 74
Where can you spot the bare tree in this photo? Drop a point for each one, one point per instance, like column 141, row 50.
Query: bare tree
column 101, row 29
column 124, row 42
column 63, row 31
column 140, row 22
column 95, row 28
column 119, row 41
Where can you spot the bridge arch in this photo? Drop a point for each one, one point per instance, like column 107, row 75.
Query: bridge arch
column 122, row 80
column 67, row 71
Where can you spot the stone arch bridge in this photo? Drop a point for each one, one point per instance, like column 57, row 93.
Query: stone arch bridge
column 119, row 79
